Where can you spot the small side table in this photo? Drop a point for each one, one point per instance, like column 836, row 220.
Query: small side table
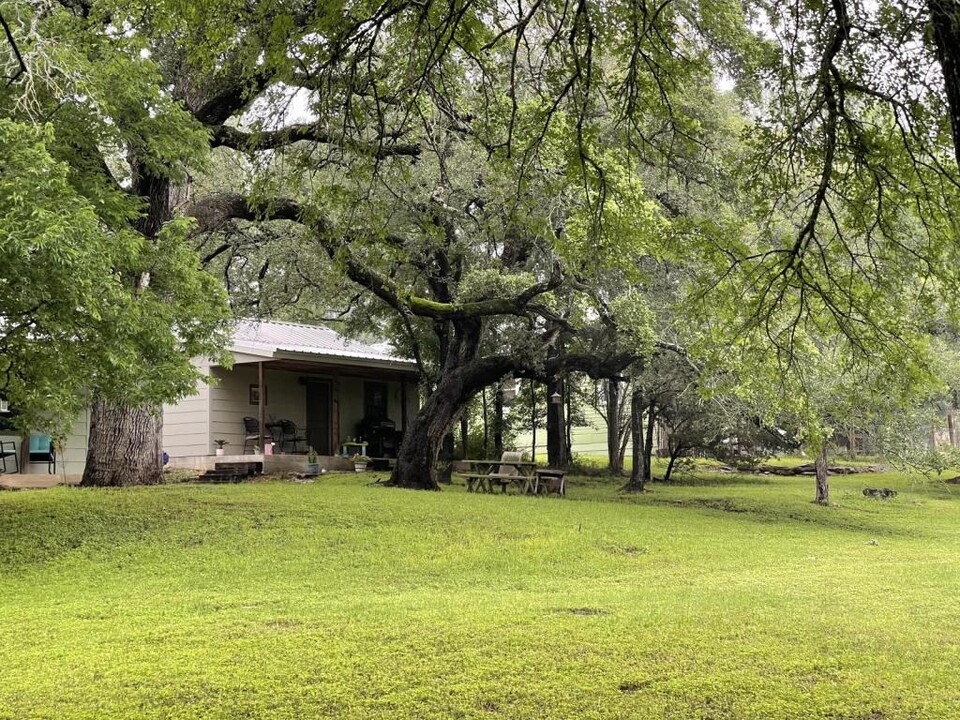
column 353, row 448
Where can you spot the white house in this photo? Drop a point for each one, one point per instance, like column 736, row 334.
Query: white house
column 326, row 384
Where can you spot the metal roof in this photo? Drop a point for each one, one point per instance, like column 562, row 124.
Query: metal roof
column 273, row 336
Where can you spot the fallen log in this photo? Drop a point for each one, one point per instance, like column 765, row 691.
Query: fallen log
column 810, row 469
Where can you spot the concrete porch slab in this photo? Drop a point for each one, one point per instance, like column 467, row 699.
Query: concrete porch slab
column 16, row 481
column 272, row 464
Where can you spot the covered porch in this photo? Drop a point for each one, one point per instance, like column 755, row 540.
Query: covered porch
column 325, row 393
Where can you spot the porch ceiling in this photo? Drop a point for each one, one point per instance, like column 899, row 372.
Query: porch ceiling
column 332, row 368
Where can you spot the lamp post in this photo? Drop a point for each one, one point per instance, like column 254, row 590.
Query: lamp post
column 555, row 439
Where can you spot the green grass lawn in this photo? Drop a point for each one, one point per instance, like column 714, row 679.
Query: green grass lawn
column 726, row 597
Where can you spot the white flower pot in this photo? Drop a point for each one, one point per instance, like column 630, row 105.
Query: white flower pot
column 219, row 452
column 359, row 467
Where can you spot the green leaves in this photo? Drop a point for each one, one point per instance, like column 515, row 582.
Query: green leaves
column 55, row 283
column 71, row 322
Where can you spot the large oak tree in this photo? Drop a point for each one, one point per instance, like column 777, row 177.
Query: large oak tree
column 474, row 166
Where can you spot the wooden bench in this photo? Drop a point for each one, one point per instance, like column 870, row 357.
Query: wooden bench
column 511, row 468
column 501, row 479
column 551, row 481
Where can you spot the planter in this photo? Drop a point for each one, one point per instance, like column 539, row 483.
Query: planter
column 359, row 467
column 313, row 468
column 219, row 452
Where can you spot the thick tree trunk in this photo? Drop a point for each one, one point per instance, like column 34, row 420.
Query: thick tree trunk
column 420, row 449
column 124, row 446
column 945, row 20
column 823, row 480
column 124, row 443
column 422, row 443
column 613, row 426
column 637, row 473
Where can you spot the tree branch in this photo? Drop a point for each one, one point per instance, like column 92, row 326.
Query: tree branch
column 227, row 136
column 214, row 211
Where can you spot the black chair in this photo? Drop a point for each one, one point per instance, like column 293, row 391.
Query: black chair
column 290, row 433
column 252, row 435
column 11, row 452
column 41, row 451
column 382, row 436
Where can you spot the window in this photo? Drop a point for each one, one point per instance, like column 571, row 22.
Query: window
column 375, row 400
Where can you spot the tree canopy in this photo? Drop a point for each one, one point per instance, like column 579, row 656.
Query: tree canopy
column 504, row 185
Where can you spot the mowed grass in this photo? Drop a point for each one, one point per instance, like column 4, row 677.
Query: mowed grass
column 725, row 597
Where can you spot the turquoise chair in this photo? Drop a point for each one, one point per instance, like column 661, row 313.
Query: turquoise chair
column 41, row 451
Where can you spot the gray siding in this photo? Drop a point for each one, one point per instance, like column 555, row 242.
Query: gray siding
column 186, row 425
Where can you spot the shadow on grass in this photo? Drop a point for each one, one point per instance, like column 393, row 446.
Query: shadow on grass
column 715, row 480
column 845, row 518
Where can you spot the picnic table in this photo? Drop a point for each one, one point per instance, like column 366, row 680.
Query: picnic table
column 484, row 474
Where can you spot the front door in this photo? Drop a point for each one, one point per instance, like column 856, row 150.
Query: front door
column 318, row 416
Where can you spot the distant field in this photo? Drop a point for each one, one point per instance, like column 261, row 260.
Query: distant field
column 724, row 597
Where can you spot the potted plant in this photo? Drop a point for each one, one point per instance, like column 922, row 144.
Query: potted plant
column 313, row 467
column 360, row 462
column 220, row 443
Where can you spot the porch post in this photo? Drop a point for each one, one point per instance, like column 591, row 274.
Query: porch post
column 262, row 396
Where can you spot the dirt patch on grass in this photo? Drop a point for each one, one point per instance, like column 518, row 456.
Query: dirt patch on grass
column 634, row 686
column 722, row 504
column 628, row 550
column 834, row 518
column 585, row 611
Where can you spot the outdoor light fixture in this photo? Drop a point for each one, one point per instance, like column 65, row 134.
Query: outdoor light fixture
column 556, row 398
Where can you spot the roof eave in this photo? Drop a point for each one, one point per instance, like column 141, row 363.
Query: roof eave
column 331, row 359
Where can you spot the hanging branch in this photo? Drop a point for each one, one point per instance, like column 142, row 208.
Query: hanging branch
column 16, row 52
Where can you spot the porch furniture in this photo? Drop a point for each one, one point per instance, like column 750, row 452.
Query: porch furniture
column 510, row 469
column 41, row 451
column 8, row 448
column 290, row 433
column 252, row 435
column 550, row 481
column 276, row 432
column 353, row 447
column 381, row 434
